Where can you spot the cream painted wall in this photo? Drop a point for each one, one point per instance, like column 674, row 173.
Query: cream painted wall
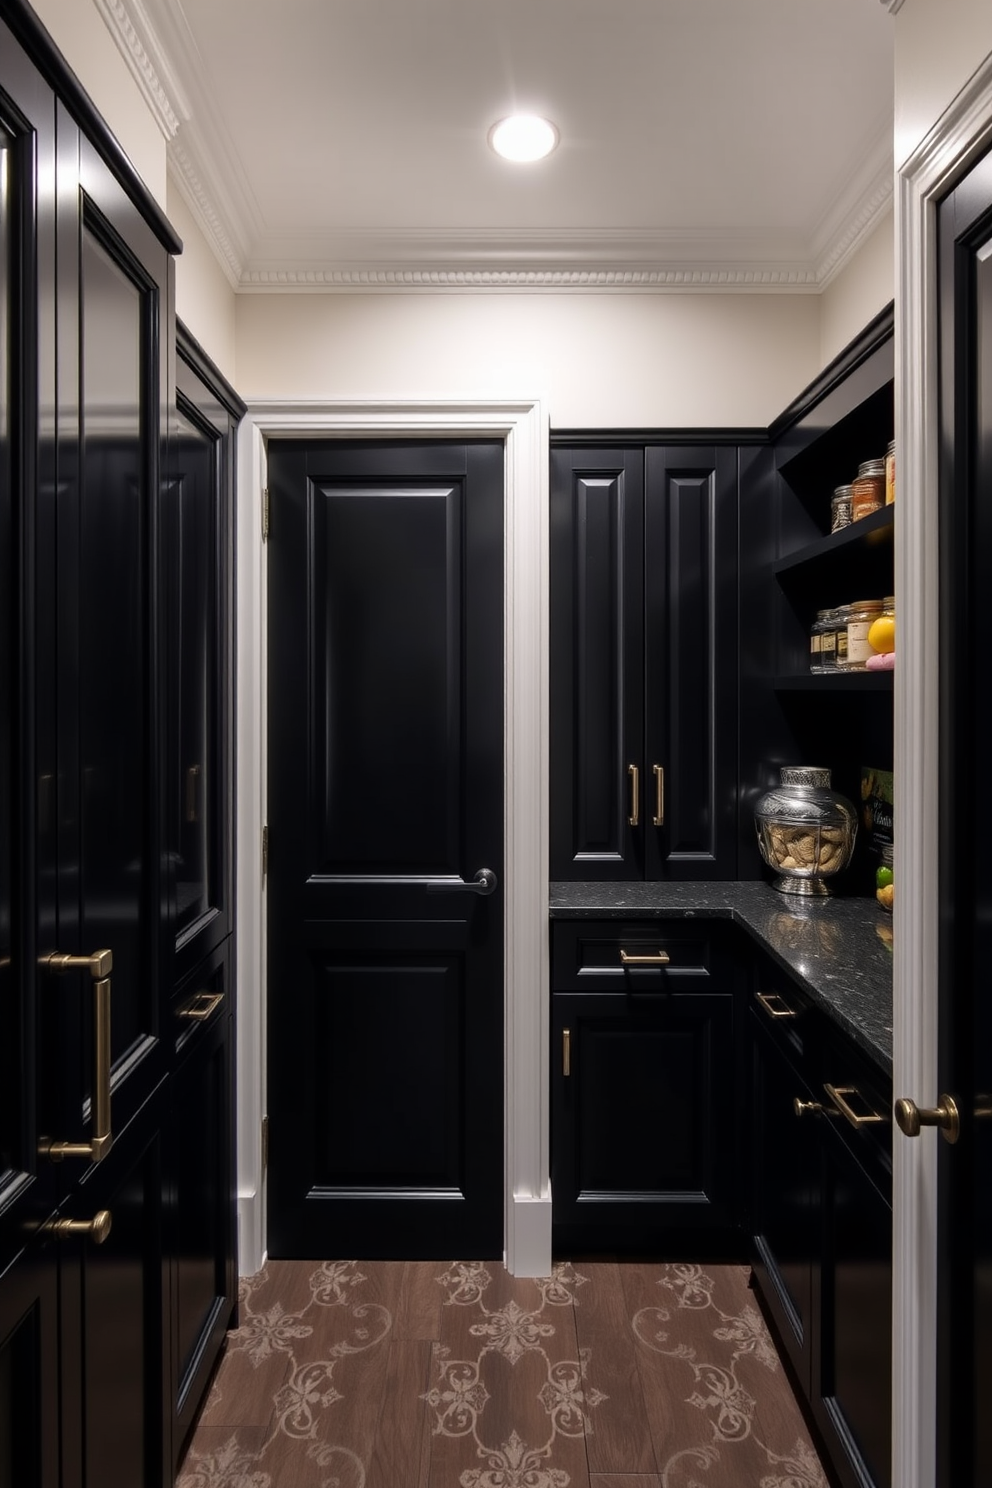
column 862, row 288
column 599, row 360
column 81, row 36
column 939, row 45
column 205, row 301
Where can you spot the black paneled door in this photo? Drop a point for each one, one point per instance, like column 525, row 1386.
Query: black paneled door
column 385, row 921
column 964, row 1367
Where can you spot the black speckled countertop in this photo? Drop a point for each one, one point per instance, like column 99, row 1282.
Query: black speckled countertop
column 839, row 950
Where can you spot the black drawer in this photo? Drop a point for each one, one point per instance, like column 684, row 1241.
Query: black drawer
column 640, row 956
column 203, row 998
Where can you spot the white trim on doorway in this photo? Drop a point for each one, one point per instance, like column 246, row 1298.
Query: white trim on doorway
column 963, row 132
column 522, row 424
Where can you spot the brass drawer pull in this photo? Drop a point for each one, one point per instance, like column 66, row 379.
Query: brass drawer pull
column 910, row 1117
column 655, row 958
column 806, row 1108
column 658, row 819
column 865, row 1118
column 566, row 1052
column 99, row 966
column 201, row 1006
column 635, row 795
column 775, row 1005
column 96, row 1229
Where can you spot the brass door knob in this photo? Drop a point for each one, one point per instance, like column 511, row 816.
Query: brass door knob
column 806, row 1108
column 911, row 1118
column 96, row 1229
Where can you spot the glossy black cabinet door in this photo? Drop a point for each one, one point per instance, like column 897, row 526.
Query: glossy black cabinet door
column 785, row 1194
column 597, row 662
column 643, row 663
column 29, row 1383
column 643, row 1089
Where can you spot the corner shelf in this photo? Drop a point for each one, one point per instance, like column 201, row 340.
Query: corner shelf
column 850, row 682
column 867, row 535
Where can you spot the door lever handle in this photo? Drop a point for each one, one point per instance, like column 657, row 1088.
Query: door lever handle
column 484, row 882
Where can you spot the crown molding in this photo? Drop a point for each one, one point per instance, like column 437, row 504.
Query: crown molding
column 893, row 6
column 197, row 197
column 139, row 46
column 798, row 279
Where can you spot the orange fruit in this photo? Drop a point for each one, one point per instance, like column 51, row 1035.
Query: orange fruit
column 882, row 634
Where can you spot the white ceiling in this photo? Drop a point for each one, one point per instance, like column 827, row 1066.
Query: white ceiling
column 342, row 143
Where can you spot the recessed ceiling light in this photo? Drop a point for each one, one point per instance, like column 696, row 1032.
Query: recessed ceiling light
column 523, row 137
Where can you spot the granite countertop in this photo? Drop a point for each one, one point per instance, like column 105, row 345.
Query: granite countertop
column 839, row 950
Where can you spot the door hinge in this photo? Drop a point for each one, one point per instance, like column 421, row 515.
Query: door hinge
column 265, row 1143
column 265, row 850
column 265, row 514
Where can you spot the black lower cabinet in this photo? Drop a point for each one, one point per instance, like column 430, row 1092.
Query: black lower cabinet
column 643, row 1089
column 199, row 1186
column 821, row 1224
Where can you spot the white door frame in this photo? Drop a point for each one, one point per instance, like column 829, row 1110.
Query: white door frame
column 963, row 132
column 522, row 425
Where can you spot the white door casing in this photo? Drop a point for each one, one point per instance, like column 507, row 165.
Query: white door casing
column 963, row 133
column 523, row 426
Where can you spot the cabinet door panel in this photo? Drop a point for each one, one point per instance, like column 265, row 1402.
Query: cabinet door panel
column 29, row 1372
column 642, row 1117
column 597, row 591
column 853, row 1362
column 690, row 675
column 785, row 1192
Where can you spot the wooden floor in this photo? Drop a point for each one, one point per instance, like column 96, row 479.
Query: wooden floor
column 357, row 1374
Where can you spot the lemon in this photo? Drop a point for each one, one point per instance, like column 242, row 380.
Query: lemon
column 882, row 634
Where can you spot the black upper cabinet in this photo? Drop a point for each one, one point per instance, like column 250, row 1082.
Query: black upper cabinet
column 199, row 499
column 643, row 662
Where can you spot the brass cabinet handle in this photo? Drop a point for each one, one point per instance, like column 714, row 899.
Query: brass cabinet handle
column 806, row 1108
column 96, row 1229
column 201, row 1006
column 655, row 958
column 858, row 1120
column 635, row 795
column 775, row 1005
column 658, row 819
column 566, row 1052
column 99, row 966
column 910, row 1118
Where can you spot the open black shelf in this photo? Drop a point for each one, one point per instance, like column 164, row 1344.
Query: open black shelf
column 868, row 535
column 852, row 682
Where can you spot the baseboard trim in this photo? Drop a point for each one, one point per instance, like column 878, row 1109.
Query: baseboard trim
column 528, row 1250
column 251, row 1247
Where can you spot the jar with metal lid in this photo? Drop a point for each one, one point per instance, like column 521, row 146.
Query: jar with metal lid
column 859, row 617
column 822, row 630
column 840, row 508
column 805, row 830
column 890, row 473
column 840, row 637
column 868, row 489
column 828, row 640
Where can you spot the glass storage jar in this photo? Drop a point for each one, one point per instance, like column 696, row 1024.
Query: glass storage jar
column 859, row 616
column 890, row 473
column 840, row 508
column 868, row 489
column 822, row 637
column 806, row 831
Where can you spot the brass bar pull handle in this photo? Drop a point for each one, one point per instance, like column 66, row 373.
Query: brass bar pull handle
column 192, row 792
column 654, row 958
column 635, row 795
column 910, row 1118
column 566, row 1052
column 99, row 966
column 775, row 1006
column 96, row 1229
column 857, row 1119
column 201, row 1006
column 658, row 819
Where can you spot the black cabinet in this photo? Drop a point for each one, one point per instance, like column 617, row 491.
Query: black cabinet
column 643, row 662
column 821, row 1222
column 644, row 1085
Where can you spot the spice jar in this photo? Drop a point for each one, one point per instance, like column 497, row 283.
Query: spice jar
column 828, row 641
column 868, row 489
column 840, row 637
column 840, row 508
column 859, row 617
column 890, row 473
column 820, row 631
